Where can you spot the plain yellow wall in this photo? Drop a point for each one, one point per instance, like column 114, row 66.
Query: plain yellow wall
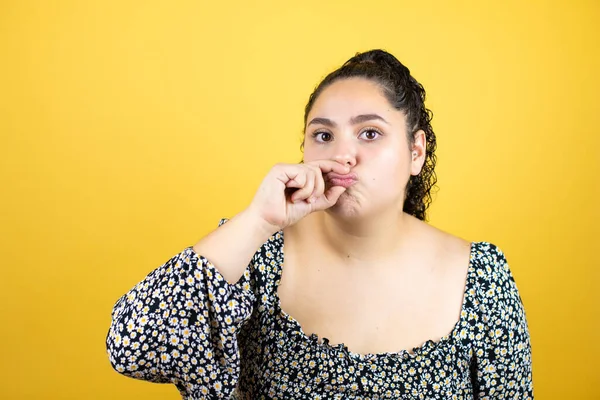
column 128, row 128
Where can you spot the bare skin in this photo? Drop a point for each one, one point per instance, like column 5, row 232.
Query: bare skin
column 395, row 302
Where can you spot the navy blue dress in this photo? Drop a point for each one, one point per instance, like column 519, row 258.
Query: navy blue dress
column 185, row 324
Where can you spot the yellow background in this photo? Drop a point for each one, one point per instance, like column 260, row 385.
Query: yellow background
column 128, row 128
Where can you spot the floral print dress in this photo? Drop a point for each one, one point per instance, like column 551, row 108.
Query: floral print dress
column 185, row 324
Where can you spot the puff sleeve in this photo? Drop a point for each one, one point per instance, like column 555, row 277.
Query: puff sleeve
column 502, row 362
column 179, row 325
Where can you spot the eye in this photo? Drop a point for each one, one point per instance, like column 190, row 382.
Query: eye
column 322, row 137
column 370, row 134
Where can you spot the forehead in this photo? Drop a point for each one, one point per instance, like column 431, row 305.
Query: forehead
column 353, row 96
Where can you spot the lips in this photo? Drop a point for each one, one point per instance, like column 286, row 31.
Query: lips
column 345, row 181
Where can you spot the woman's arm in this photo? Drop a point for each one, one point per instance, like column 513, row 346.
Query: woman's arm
column 232, row 245
column 180, row 323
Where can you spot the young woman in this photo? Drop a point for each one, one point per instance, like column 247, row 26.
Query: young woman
column 330, row 284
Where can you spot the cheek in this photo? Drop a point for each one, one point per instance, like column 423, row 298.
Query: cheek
column 388, row 170
column 310, row 151
column 391, row 162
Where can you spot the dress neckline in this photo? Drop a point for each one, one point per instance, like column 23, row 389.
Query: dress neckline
column 294, row 328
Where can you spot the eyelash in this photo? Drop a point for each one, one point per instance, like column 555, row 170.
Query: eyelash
column 369, row 129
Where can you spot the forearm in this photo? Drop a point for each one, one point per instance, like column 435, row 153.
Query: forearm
column 231, row 246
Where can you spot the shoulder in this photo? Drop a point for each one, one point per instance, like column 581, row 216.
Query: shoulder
column 484, row 263
column 486, row 258
column 499, row 299
column 490, row 263
column 448, row 250
column 493, row 278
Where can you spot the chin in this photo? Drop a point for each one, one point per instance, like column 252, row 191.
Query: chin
column 346, row 208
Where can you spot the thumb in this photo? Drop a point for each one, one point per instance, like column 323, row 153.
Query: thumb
column 330, row 197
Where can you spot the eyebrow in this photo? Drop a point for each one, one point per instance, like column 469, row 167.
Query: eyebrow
column 354, row 120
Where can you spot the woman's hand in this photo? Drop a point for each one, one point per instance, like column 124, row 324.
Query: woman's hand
column 290, row 192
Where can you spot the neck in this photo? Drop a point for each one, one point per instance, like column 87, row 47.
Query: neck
column 365, row 240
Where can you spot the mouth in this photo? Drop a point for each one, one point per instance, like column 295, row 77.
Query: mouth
column 341, row 180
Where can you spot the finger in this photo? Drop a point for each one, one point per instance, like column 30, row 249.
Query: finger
column 329, row 198
column 291, row 175
column 304, row 192
column 297, row 182
column 294, row 178
column 331, row 166
column 319, row 187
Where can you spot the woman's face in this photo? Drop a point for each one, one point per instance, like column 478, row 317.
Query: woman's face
column 352, row 123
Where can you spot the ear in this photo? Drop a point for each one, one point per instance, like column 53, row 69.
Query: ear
column 418, row 152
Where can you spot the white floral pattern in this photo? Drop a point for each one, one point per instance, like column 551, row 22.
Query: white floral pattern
column 185, row 324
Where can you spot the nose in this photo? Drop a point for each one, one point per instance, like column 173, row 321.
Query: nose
column 345, row 153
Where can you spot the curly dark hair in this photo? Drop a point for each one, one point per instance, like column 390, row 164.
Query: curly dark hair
column 405, row 94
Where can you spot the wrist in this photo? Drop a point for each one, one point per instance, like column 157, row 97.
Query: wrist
column 258, row 226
